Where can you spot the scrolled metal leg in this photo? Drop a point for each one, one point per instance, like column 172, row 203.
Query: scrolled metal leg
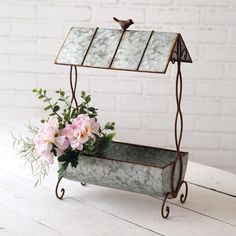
column 184, row 196
column 62, row 190
column 165, row 210
column 83, row 183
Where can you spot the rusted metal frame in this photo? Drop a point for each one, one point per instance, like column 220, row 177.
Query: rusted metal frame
column 179, row 115
column 179, row 54
column 150, row 36
column 116, row 69
column 73, row 86
column 178, row 139
column 62, row 190
column 178, row 93
column 73, row 99
column 86, row 53
column 186, row 52
column 185, row 56
column 117, row 47
column 165, row 210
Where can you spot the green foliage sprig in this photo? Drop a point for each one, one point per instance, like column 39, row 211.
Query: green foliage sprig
column 65, row 113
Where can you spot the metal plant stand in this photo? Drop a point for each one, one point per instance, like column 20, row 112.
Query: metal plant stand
column 176, row 58
column 81, row 48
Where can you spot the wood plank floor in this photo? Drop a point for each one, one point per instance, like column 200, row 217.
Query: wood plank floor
column 92, row 210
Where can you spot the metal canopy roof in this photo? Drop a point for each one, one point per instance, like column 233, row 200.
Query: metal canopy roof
column 131, row 50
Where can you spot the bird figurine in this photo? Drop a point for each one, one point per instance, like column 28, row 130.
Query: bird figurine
column 124, row 24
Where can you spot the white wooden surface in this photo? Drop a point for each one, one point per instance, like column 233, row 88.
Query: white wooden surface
column 93, row 210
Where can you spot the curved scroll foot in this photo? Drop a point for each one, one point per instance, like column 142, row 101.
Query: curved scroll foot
column 184, row 196
column 83, row 183
column 62, row 190
column 165, row 210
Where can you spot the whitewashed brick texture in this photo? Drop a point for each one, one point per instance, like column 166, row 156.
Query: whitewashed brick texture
column 143, row 105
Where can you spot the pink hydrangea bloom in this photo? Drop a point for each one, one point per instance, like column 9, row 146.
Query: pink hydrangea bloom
column 81, row 129
column 48, row 135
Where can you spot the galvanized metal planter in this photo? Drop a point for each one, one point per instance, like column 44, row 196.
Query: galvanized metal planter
column 130, row 167
column 148, row 170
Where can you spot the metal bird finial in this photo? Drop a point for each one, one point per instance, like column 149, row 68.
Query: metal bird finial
column 124, row 24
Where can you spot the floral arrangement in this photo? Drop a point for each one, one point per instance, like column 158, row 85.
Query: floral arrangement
column 65, row 134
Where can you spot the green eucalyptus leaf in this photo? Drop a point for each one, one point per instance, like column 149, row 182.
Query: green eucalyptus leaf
column 88, row 99
column 56, row 108
column 82, row 94
column 62, row 93
column 67, row 117
column 47, row 99
column 73, row 113
column 110, row 136
column 59, row 119
column 92, row 109
column 47, row 107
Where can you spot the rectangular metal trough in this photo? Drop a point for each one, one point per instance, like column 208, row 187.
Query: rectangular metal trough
column 130, row 167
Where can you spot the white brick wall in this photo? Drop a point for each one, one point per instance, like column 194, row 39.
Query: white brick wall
column 143, row 105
